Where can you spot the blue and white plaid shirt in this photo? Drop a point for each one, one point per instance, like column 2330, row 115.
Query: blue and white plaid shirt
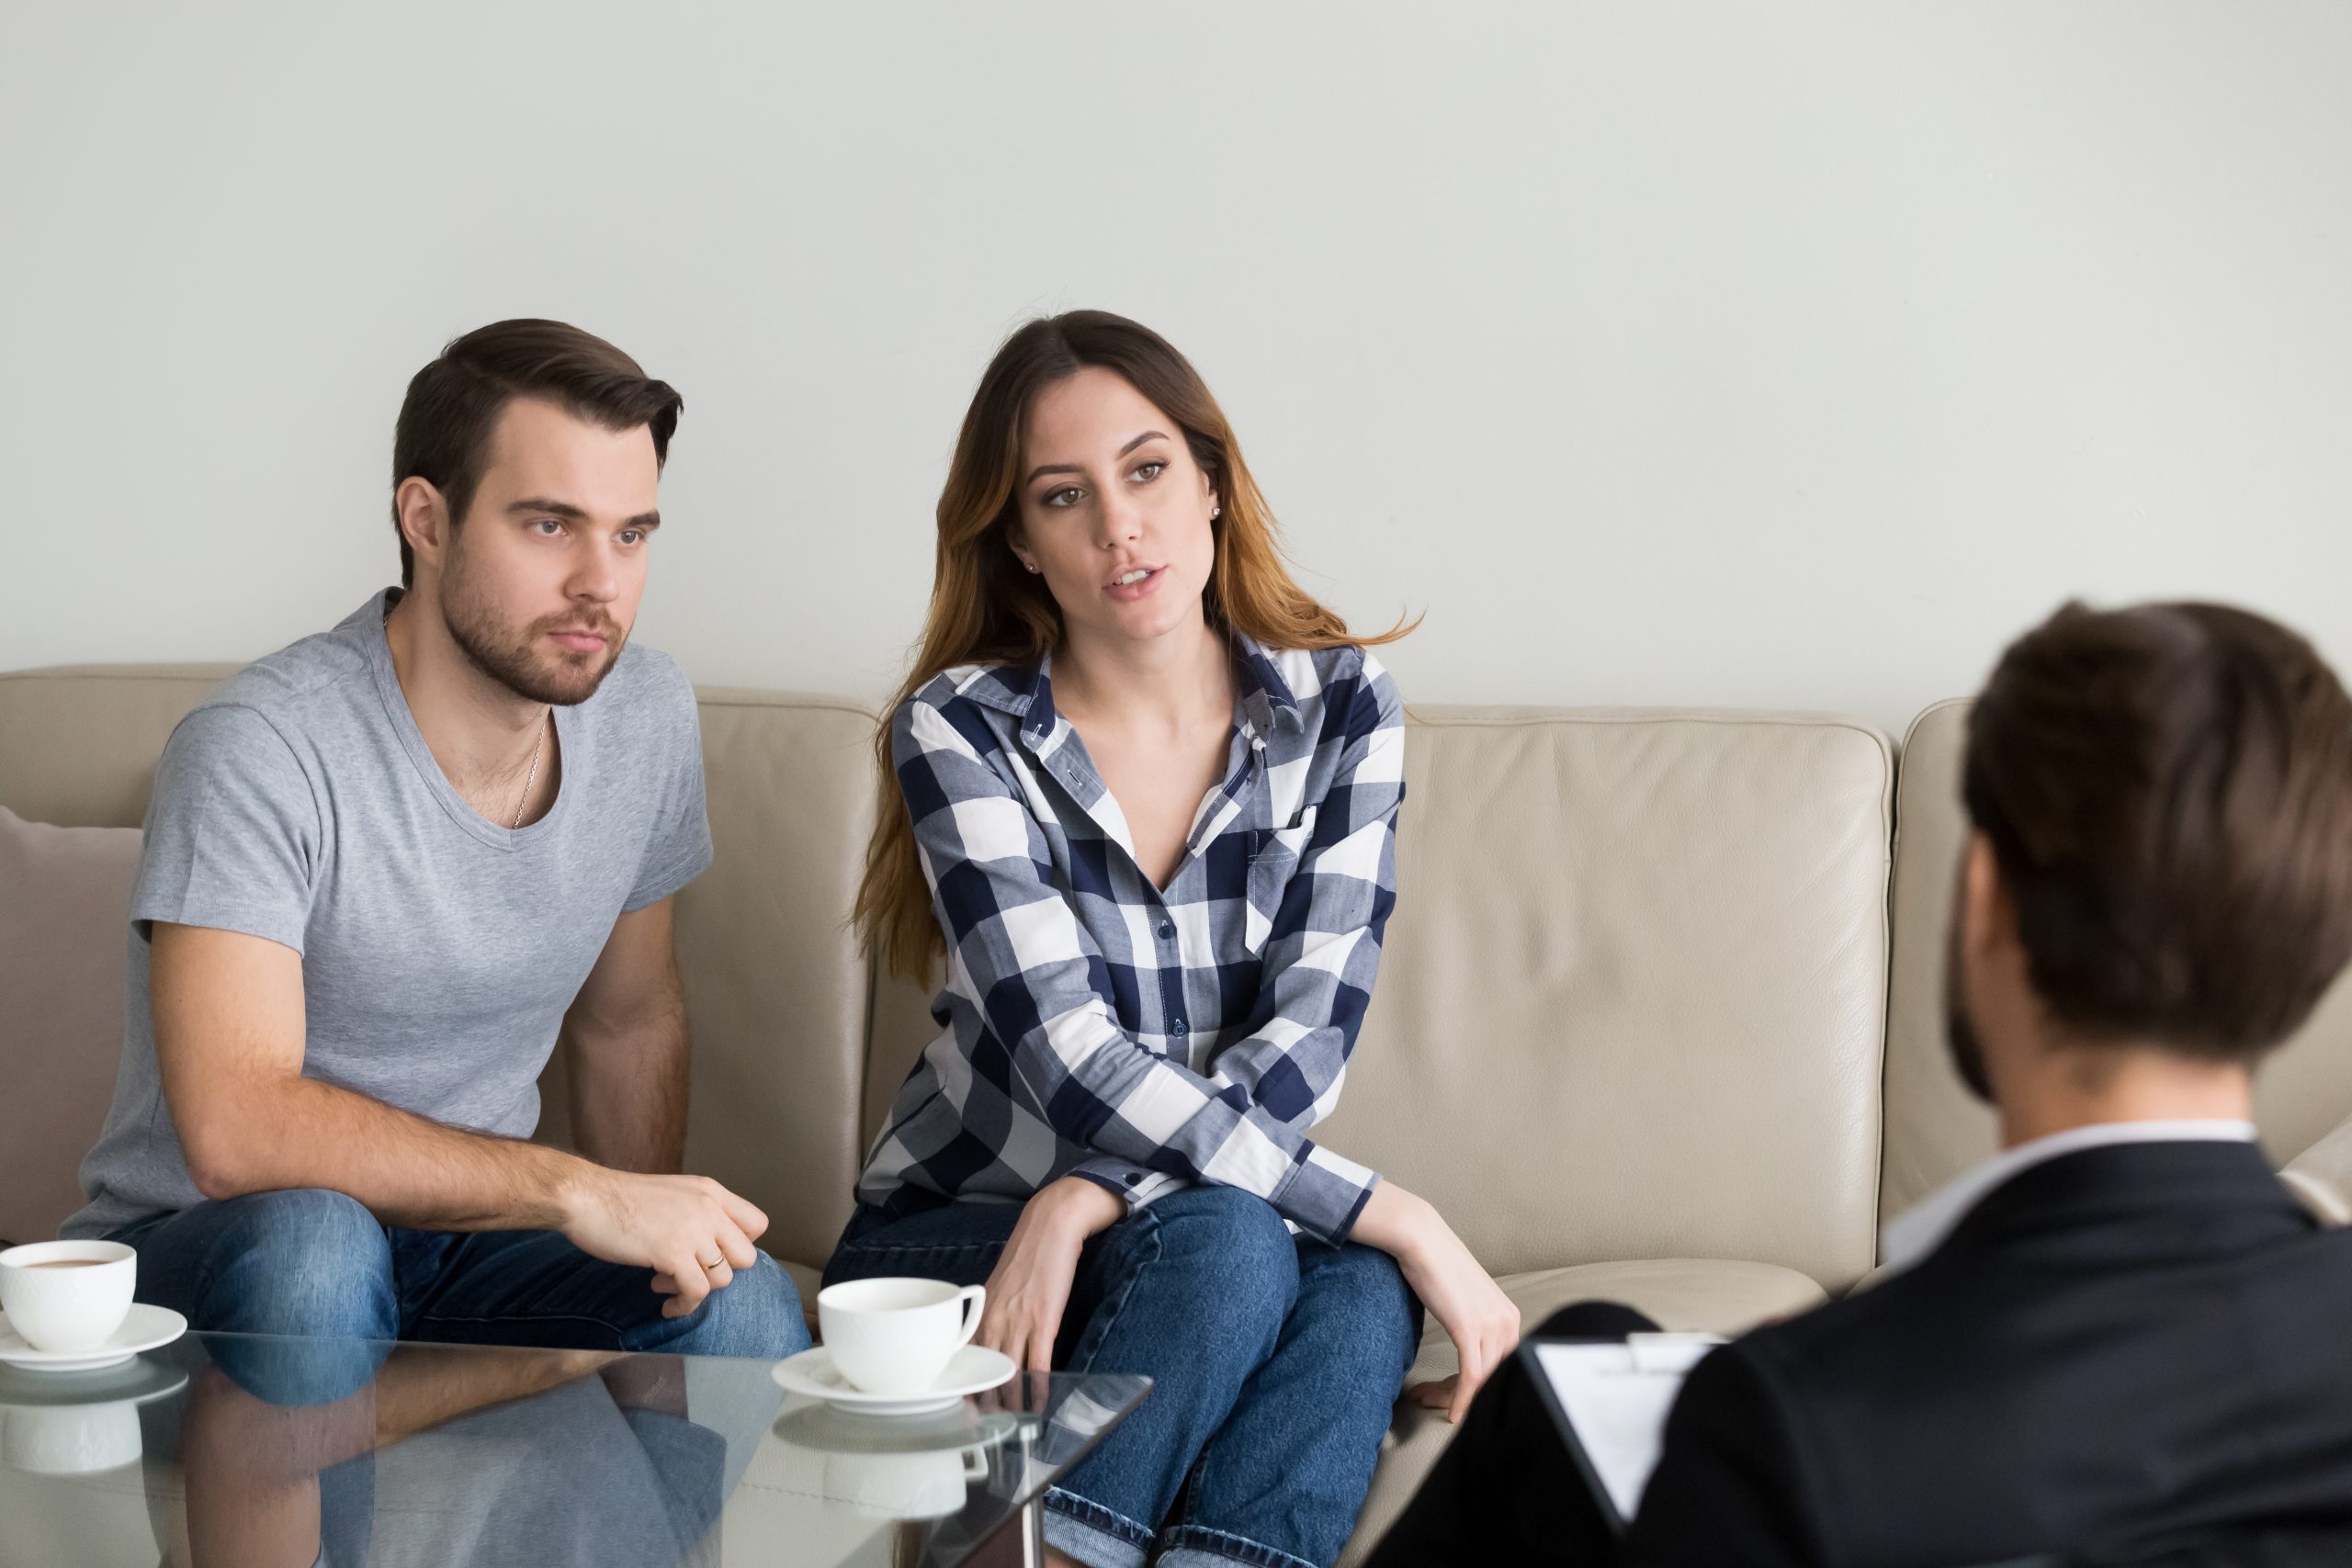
column 1096, row 1026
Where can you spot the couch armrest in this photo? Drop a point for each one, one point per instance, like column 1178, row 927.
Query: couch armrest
column 2322, row 1177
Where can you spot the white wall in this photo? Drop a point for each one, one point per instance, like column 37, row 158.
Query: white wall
column 1700, row 353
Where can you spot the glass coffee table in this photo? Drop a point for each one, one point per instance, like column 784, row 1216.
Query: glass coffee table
column 238, row 1450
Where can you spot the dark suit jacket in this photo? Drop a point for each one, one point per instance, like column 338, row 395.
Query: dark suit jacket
column 2123, row 1341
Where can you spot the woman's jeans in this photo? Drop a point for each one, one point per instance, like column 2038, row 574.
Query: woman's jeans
column 1275, row 1362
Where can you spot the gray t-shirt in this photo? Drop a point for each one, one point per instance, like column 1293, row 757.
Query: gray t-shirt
column 440, row 950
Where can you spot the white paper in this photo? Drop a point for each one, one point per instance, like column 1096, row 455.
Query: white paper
column 1617, row 1397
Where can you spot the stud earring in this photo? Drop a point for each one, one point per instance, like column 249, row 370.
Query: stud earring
column 1216, row 512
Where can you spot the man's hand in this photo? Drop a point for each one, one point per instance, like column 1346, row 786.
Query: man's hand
column 693, row 1233
column 1481, row 1320
column 1029, row 1289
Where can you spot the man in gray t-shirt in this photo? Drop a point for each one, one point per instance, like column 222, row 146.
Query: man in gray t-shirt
column 387, row 868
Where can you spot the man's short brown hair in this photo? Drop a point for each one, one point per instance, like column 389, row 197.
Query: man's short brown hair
column 453, row 404
column 2168, row 793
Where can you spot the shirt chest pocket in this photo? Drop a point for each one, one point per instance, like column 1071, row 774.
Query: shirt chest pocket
column 1271, row 871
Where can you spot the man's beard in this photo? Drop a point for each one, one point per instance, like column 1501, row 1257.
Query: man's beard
column 1967, row 1050
column 1960, row 1031
column 523, row 661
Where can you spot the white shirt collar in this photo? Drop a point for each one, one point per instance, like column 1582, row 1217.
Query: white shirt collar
column 1919, row 1230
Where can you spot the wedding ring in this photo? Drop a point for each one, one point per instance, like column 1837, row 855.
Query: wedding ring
column 709, row 1263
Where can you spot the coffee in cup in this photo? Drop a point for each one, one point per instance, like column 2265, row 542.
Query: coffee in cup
column 67, row 1296
column 896, row 1335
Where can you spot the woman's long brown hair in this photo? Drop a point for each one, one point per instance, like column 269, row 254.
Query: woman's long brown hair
column 985, row 610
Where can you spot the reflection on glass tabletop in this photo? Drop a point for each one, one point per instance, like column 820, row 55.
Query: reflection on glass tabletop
column 242, row 1449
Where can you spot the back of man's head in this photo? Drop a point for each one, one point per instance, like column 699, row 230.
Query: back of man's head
column 2167, row 792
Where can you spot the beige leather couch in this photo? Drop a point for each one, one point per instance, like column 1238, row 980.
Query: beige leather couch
column 1659, row 1018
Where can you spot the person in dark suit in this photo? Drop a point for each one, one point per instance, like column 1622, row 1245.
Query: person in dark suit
column 2122, row 1328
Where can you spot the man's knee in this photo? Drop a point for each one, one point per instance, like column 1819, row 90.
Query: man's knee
column 758, row 1316
column 305, row 1262
column 308, row 1272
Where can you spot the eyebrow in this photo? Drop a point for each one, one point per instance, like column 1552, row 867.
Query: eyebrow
column 1043, row 468
column 646, row 520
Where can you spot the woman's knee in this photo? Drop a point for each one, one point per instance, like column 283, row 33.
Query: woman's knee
column 1230, row 1246
column 1361, row 1290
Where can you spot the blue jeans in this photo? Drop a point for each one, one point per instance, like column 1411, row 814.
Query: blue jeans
column 317, row 1264
column 1275, row 1362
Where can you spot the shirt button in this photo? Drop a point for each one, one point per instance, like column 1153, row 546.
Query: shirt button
column 1175, row 1026
column 1133, row 1179
column 1168, row 931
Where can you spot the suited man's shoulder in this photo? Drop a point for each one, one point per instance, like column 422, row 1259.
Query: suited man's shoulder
column 1780, row 1448
column 1835, row 1342
column 1953, row 1402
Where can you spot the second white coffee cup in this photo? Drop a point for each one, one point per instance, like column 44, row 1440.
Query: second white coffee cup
column 896, row 1335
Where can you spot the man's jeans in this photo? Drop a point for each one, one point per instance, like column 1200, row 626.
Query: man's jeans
column 1275, row 1362
column 316, row 1264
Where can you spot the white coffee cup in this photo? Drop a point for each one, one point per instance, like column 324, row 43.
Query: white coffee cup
column 67, row 1296
column 897, row 1336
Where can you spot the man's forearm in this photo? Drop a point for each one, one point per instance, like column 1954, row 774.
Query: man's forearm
column 629, row 1089
column 293, row 1132
column 420, row 1388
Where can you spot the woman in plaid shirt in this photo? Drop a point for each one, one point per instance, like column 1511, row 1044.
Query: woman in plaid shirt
column 1140, row 793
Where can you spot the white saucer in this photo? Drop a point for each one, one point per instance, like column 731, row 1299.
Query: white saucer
column 973, row 1369
column 145, row 1328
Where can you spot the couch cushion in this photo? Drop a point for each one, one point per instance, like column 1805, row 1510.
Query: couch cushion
column 776, row 990
column 1935, row 1129
column 79, row 744
column 2322, row 1177
column 1693, row 1295
column 1631, row 996
column 65, row 919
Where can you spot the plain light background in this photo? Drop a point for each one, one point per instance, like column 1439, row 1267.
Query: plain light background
column 1707, row 353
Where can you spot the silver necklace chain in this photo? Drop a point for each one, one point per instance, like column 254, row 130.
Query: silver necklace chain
column 530, row 778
